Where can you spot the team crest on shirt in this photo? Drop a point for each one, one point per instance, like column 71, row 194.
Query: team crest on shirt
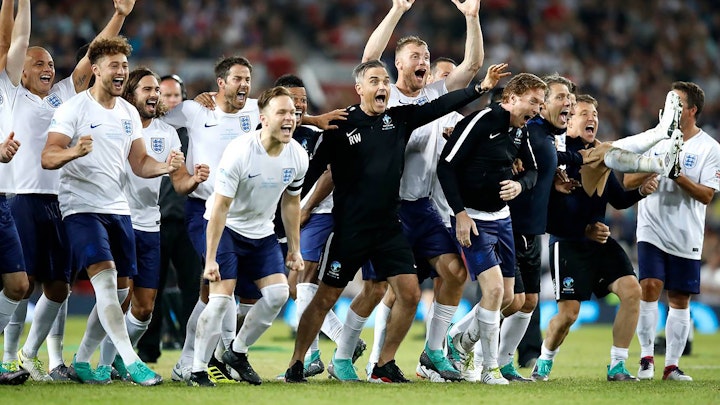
column 157, row 145
column 54, row 100
column 127, row 127
column 422, row 100
column 245, row 123
column 568, row 285
column 1, row 99
column 387, row 123
column 690, row 160
column 288, row 174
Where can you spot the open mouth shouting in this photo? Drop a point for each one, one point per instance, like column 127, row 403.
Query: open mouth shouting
column 118, row 83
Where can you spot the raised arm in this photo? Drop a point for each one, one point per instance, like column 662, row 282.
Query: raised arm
column 6, row 27
column 19, row 43
column 474, row 50
column 82, row 72
column 379, row 39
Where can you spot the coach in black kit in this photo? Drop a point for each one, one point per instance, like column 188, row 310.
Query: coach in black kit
column 366, row 154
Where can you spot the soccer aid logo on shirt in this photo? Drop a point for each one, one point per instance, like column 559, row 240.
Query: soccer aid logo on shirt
column 245, row 123
column 54, row 100
column 288, row 174
column 568, row 285
column 157, row 145
column 690, row 160
column 127, row 127
column 387, row 123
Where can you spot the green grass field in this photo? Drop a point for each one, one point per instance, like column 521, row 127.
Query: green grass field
column 578, row 377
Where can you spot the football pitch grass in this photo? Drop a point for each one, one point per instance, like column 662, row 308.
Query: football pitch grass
column 578, row 377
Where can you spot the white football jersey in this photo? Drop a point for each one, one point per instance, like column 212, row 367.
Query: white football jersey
column 7, row 99
column 421, row 152
column 94, row 183
column 142, row 194
column 256, row 181
column 209, row 133
column 670, row 218
column 445, row 123
column 32, row 116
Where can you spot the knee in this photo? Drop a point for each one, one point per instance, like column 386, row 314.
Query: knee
column 567, row 318
column 18, row 289
column 511, row 306
column 409, row 296
column 495, row 292
column 630, row 291
column 142, row 311
column 530, row 303
column 276, row 295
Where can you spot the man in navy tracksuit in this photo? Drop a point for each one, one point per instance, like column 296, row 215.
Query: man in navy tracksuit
column 584, row 259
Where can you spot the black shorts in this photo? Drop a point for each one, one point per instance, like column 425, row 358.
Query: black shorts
column 387, row 249
column 582, row 268
column 528, row 263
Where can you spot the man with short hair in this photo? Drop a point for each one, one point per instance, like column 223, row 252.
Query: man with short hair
column 89, row 140
column 209, row 133
column 366, row 157
column 584, row 258
column 422, row 225
column 670, row 232
column 161, row 140
column 36, row 208
column 254, row 174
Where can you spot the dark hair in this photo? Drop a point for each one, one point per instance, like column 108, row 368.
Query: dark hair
column 183, row 92
column 496, row 95
column 441, row 59
column 289, row 80
column 555, row 78
column 222, row 68
column 586, row 98
column 270, row 94
column 359, row 71
column 695, row 95
column 108, row 46
column 132, row 84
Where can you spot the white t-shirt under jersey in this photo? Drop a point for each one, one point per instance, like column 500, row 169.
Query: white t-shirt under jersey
column 142, row 194
column 32, row 116
column 670, row 218
column 256, row 181
column 7, row 99
column 209, row 133
column 421, row 153
column 94, row 183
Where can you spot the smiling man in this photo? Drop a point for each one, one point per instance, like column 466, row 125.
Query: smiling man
column 209, row 133
column 90, row 138
column 254, row 174
column 366, row 155
column 475, row 171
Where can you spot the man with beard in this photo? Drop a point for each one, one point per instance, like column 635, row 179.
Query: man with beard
column 209, row 133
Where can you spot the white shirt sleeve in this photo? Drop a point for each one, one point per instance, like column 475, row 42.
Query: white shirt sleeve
column 63, row 122
column 710, row 175
column 182, row 114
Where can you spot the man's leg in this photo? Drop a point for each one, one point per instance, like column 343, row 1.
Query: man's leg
column 628, row 290
column 557, row 331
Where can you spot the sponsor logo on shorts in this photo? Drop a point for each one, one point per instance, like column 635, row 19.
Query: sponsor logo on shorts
column 334, row 271
column 568, row 285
